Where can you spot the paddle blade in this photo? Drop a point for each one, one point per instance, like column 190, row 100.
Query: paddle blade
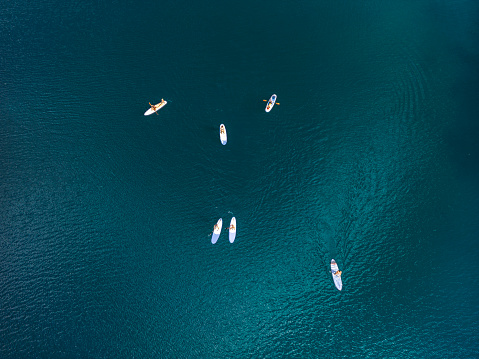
column 265, row 100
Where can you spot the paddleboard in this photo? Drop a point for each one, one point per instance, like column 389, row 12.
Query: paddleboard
column 270, row 104
column 155, row 108
column 223, row 136
column 232, row 233
column 336, row 278
column 217, row 231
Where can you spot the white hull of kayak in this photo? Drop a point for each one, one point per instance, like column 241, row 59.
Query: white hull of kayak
column 337, row 279
column 223, row 135
column 158, row 106
column 270, row 103
column 232, row 234
column 217, row 231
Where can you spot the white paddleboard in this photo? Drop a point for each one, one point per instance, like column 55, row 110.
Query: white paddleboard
column 271, row 102
column 155, row 108
column 232, row 233
column 223, row 136
column 217, row 231
column 336, row 278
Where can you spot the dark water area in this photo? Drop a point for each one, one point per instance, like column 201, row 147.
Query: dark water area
column 370, row 158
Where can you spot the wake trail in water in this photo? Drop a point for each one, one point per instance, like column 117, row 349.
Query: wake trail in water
column 321, row 236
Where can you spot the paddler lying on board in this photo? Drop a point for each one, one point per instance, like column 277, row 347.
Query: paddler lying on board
column 155, row 107
column 338, row 273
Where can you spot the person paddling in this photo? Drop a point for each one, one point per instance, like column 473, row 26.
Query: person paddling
column 338, row 273
column 214, row 229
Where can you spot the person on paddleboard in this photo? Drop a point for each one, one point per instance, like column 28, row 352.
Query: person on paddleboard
column 155, row 107
column 338, row 273
column 232, row 227
column 214, row 229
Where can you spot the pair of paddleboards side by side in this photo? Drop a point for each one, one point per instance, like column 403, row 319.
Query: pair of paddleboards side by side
column 155, row 108
column 336, row 278
column 271, row 102
column 223, row 135
column 217, row 230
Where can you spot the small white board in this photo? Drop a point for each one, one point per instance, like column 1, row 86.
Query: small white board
column 232, row 229
column 217, row 231
column 155, row 108
column 223, row 136
column 271, row 102
column 336, row 278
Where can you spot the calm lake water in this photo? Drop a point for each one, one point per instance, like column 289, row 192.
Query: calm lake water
column 370, row 158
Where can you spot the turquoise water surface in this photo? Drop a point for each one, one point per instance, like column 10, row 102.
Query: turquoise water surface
column 371, row 158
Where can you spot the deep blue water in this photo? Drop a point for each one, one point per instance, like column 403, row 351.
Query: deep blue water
column 371, row 158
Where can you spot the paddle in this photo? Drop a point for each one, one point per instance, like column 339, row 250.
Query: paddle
column 277, row 103
column 211, row 232
column 153, row 108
